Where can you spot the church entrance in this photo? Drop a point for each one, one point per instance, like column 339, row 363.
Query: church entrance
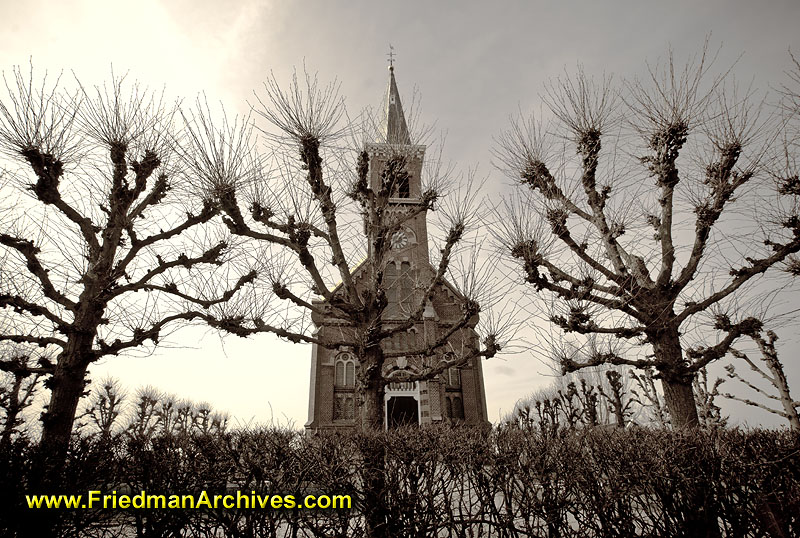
column 402, row 411
column 401, row 404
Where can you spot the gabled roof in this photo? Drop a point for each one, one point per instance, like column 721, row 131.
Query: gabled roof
column 356, row 272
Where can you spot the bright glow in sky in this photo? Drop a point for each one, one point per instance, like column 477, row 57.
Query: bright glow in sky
column 475, row 63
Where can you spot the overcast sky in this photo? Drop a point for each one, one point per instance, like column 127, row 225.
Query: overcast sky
column 474, row 63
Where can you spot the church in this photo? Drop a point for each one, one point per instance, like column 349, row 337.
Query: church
column 457, row 396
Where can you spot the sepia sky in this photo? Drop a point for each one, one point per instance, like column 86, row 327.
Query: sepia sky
column 474, row 64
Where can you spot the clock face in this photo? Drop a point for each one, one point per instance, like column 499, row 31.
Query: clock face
column 399, row 240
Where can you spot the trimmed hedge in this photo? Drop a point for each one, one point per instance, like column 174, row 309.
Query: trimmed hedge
column 438, row 482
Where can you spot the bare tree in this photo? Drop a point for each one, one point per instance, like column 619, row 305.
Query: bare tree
column 110, row 412
column 17, row 394
column 317, row 219
column 607, row 238
column 648, row 396
column 619, row 398
column 588, row 398
column 101, row 242
column 709, row 413
column 769, row 368
column 151, row 409
column 106, row 406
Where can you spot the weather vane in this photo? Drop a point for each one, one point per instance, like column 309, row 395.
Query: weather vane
column 391, row 56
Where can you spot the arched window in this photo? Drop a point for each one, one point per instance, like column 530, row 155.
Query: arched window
column 454, row 408
column 412, row 338
column 458, row 408
column 344, row 384
column 453, row 377
column 403, row 187
column 345, row 370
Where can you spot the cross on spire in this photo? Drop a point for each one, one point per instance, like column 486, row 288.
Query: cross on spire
column 391, row 57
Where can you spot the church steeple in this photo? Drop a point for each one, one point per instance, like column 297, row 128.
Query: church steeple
column 455, row 396
column 411, row 241
column 396, row 129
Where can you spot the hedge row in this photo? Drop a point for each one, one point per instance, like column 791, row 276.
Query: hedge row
column 437, row 482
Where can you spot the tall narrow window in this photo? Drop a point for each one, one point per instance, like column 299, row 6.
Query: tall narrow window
column 412, row 338
column 451, row 377
column 454, row 377
column 458, row 408
column 406, row 298
column 390, row 283
column 339, row 380
column 403, row 187
column 344, row 384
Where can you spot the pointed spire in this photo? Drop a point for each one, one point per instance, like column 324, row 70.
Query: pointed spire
column 396, row 128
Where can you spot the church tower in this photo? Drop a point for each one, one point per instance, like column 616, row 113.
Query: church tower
column 457, row 395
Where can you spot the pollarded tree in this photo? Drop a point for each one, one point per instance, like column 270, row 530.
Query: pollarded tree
column 643, row 232
column 105, row 407
column 103, row 249
column 710, row 415
column 316, row 218
column 22, row 375
column 769, row 368
column 588, row 398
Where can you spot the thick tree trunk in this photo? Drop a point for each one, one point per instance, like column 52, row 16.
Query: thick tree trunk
column 682, row 408
column 372, row 407
column 372, row 416
column 676, row 380
column 68, row 384
column 375, row 509
column 791, row 411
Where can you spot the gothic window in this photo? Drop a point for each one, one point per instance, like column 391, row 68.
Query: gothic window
column 390, row 282
column 344, row 383
column 345, row 371
column 398, row 282
column 403, row 187
column 453, row 377
column 395, row 178
column 458, row 408
column 402, row 341
column 406, row 285
column 454, row 408
column 454, row 399
column 412, row 338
